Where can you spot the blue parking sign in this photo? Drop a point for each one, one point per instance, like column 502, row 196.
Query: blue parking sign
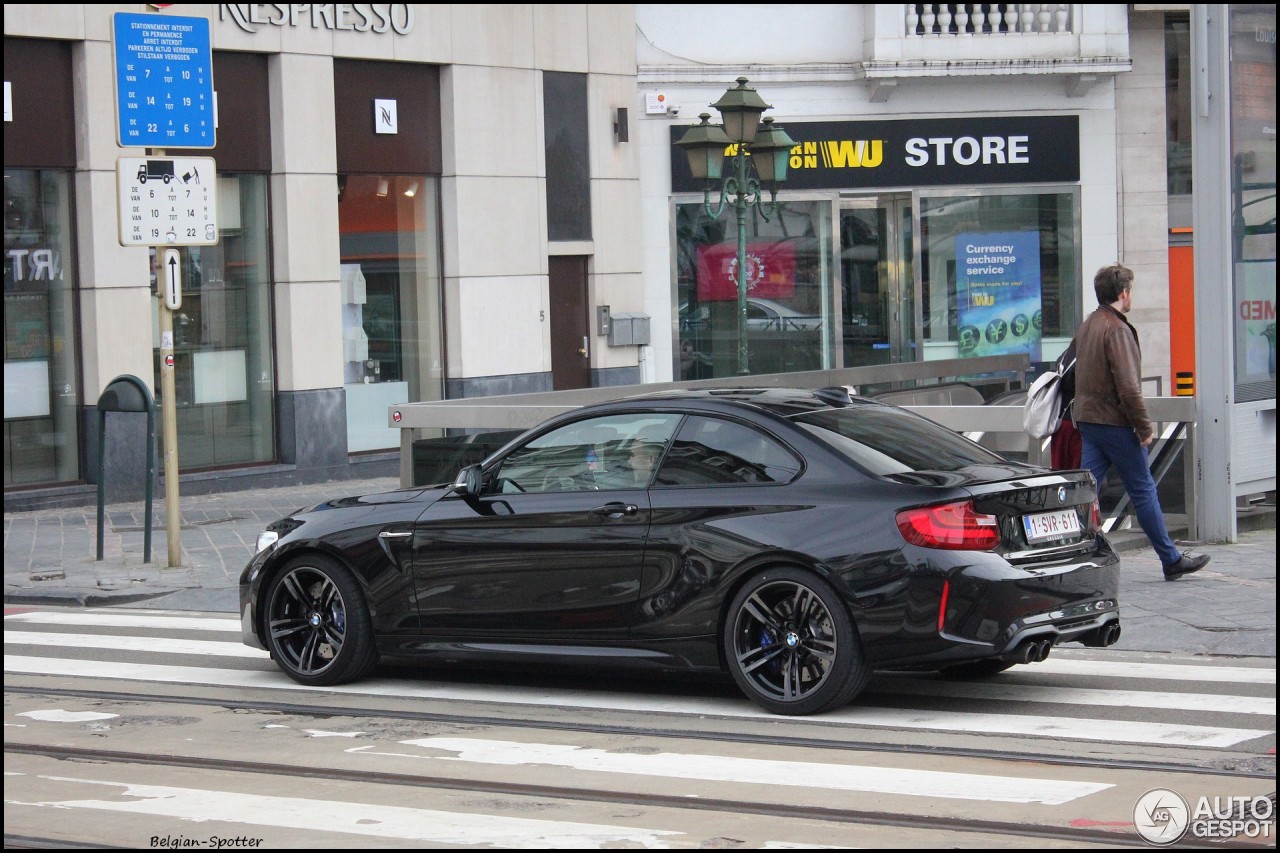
column 164, row 81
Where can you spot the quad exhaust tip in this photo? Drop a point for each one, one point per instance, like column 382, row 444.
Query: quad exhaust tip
column 1031, row 651
column 1105, row 636
column 1035, row 651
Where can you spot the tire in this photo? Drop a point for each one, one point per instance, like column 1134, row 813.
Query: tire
column 791, row 645
column 977, row 669
column 317, row 625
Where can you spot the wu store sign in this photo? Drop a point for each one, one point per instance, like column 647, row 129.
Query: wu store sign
column 921, row 153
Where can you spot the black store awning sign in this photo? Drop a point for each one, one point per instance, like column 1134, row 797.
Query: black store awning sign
column 921, row 153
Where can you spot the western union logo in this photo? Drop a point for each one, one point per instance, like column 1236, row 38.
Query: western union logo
column 838, row 154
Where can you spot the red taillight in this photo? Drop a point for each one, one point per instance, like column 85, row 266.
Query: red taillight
column 956, row 526
column 942, row 605
column 1095, row 517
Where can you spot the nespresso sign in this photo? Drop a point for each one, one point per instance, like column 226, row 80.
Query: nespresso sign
column 356, row 17
column 920, row 152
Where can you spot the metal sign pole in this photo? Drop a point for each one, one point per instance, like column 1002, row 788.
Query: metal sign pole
column 169, row 283
column 165, row 98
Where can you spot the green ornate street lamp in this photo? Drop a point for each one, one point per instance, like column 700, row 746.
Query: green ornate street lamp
column 754, row 145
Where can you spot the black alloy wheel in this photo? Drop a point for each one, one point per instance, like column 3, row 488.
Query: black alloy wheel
column 791, row 645
column 318, row 628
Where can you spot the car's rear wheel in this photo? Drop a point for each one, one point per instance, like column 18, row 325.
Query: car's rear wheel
column 976, row 669
column 791, row 645
column 318, row 627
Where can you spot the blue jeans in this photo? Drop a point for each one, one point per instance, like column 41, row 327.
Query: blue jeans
column 1104, row 445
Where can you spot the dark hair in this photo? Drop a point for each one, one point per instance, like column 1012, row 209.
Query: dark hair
column 1110, row 282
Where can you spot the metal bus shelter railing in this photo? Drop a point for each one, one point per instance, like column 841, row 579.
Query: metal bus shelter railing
column 481, row 424
column 1176, row 436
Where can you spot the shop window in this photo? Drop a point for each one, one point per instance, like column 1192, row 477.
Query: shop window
column 223, row 368
column 789, row 301
column 999, row 274
column 391, row 323
column 567, row 149
column 41, row 396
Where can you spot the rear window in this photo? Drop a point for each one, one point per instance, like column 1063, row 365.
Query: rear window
column 884, row 440
column 711, row 452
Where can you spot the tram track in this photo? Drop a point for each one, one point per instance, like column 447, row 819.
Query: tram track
column 788, row 811
column 320, row 712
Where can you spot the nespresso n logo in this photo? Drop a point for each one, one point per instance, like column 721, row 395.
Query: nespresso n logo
column 357, row 17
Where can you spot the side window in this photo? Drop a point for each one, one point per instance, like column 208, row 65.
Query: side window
column 709, row 451
column 612, row 452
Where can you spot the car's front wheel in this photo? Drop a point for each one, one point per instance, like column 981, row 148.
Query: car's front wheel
column 791, row 645
column 318, row 627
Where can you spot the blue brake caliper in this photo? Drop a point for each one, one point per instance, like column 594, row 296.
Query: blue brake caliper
column 767, row 638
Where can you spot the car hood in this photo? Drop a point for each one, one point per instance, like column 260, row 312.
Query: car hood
column 423, row 496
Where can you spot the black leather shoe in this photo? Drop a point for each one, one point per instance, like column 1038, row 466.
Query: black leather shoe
column 1185, row 566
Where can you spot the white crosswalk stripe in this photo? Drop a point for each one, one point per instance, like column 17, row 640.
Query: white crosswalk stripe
column 422, row 826
column 746, row 771
column 169, row 621
column 1011, row 692
column 1069, row 698
column 999, row 701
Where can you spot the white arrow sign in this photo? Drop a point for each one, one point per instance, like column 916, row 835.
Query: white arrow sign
column 172, row 279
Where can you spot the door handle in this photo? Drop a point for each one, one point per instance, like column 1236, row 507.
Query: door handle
column 582, row 351
column 616, row 509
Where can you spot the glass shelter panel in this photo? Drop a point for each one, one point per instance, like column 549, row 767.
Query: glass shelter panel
column 1253, row 194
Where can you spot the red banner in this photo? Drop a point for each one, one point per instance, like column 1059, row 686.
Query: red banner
column 771, row 271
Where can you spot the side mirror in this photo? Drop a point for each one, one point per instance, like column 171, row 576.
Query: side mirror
column 468, row 481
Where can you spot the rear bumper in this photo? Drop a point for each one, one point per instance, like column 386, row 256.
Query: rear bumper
column 997, row 604
column 1000, row 612
column 994, row 610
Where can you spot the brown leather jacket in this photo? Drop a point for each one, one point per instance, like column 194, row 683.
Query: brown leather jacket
column 1109, row 373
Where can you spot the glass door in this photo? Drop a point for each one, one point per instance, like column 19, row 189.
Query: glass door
column 877, row 282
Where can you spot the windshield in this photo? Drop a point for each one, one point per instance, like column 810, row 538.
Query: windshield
column 885, row 440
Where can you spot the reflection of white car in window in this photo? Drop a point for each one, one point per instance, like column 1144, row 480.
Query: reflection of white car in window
column 763, row 315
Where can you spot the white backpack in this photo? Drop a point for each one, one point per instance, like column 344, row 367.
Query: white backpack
column 1043, row 412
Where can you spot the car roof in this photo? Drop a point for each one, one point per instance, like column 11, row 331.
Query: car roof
column 780, row 401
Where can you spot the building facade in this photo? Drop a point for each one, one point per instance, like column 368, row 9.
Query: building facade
column 960, row 174
column 414, row 201
column 418, row 202
column 944, row 163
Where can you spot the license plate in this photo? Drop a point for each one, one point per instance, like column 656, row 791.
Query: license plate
column 1051, row 525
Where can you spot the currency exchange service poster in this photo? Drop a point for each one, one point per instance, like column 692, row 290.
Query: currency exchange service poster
column 998, row 291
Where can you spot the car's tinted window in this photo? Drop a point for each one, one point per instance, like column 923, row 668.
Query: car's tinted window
column 885, row 440
column 711, row 451
column 611, row 452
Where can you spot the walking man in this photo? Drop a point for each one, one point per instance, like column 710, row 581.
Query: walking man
column 1111, row 416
